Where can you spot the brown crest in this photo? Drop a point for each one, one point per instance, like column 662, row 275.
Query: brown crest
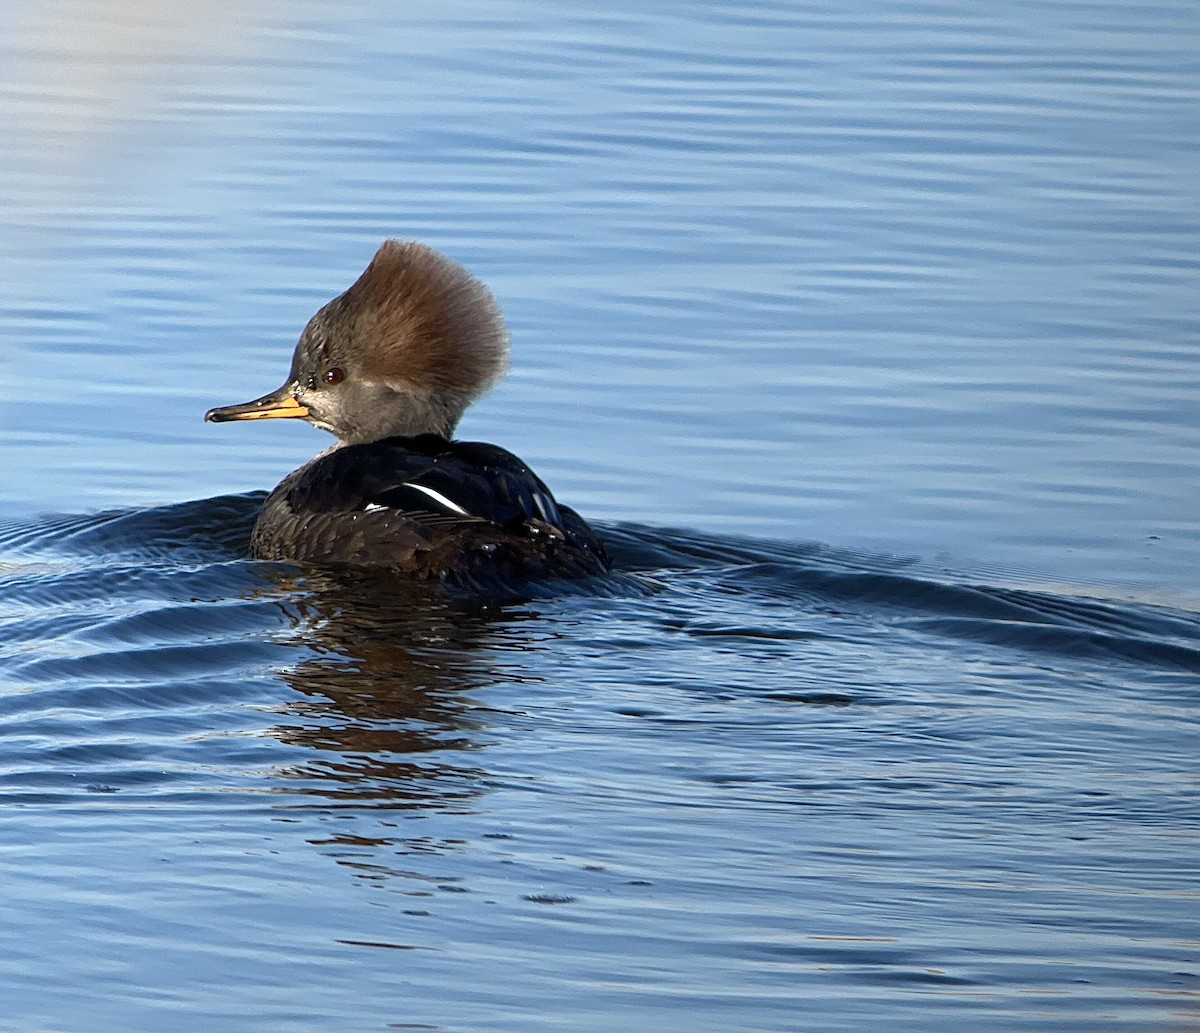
column 430, row 322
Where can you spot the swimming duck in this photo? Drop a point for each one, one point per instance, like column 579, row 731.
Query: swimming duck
column 389, row 367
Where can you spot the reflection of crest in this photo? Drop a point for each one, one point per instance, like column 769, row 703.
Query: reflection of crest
column 385, row 693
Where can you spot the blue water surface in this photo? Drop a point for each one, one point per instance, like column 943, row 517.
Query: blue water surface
column 866, row 334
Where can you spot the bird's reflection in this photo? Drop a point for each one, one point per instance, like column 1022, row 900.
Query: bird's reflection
column 385, row 692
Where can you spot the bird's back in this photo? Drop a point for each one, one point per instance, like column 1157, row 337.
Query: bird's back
column 429, row 508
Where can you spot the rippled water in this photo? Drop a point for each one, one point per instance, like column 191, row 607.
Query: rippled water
column 739, row 781
column 868, row 336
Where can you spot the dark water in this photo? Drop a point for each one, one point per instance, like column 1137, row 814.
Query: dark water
column 740, row 781
column 868, row 335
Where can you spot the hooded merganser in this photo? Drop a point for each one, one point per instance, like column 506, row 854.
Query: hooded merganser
column 389, row 367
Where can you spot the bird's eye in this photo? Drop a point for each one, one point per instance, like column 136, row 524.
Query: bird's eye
column 334, row 376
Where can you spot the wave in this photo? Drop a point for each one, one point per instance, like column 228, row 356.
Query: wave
column 731, row 583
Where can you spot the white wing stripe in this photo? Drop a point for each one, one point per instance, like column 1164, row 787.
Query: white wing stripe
column 438, row 497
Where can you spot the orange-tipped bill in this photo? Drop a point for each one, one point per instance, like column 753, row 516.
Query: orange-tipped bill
column 278, row 405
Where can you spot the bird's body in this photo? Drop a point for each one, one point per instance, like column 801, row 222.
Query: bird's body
column 435, row 509
column 389, row 366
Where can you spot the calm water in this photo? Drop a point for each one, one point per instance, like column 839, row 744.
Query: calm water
column 869, row 336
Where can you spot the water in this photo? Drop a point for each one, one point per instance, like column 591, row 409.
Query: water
column 866, row 335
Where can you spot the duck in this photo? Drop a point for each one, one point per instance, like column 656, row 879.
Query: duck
column 389, row 367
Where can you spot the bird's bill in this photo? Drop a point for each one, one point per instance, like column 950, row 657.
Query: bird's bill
column 278, row 405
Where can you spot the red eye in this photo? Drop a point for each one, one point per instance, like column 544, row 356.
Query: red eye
column 334, row 376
